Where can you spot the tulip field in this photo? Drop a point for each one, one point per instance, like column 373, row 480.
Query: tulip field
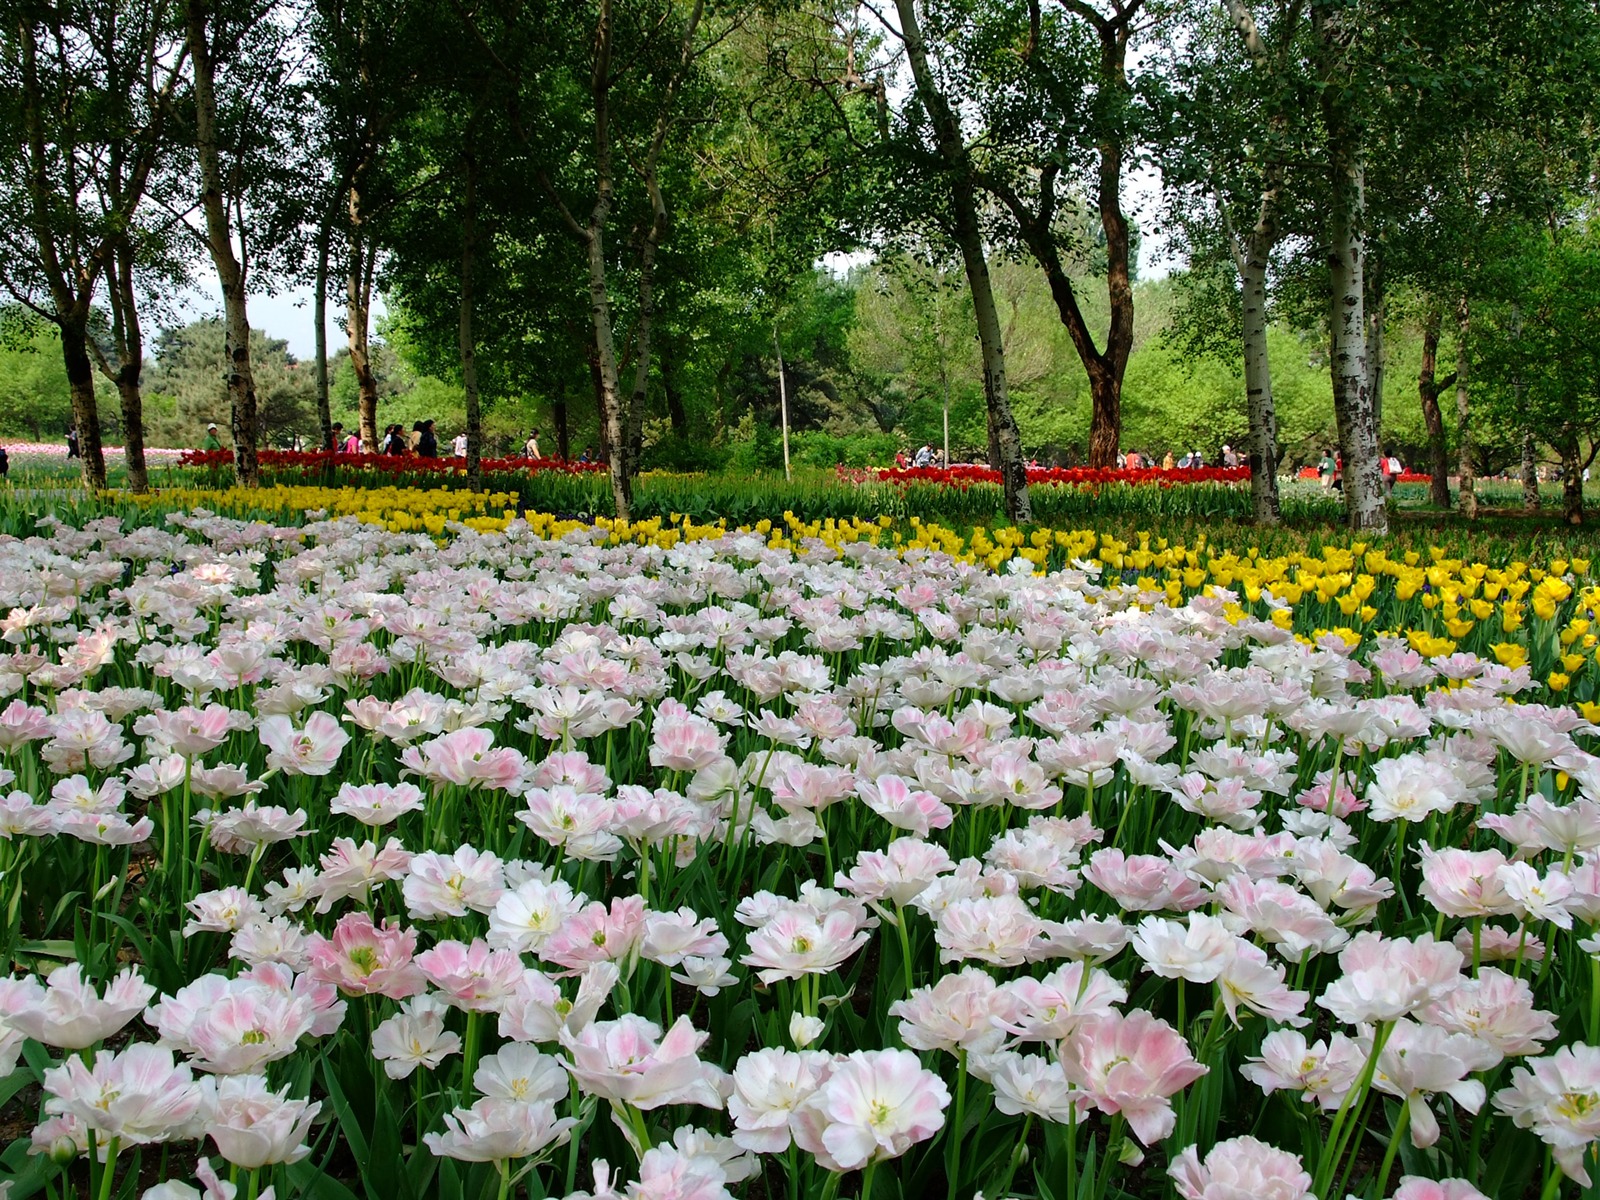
column 396, row 844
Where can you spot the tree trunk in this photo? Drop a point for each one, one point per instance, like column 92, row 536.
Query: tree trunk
column 1253, row 259
column 241, row 384
column 1352, row 399
column 1105, row 369
column 1428, row 389
column 645, row 325
column 613, row 431
column 1376, row 321
column 969, row 239
column 783, row 402
column 599, row 403
column 132, row 398
column 613, row 420
column 1258, row 387
column 1530, row 446
column 357, row 322
column 1530, row 472
column 219, row 240
column 469, row 353
column 558, row 415
column 1105, row 384
column 319, row 314
column 129, row 344
column 85, row 412
column 1352, row 403
column 1571, row 476
column 1467, row 492
column 71, row 315
column 676, row 414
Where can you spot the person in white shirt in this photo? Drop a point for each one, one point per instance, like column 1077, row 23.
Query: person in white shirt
column 531, row 448
column 460, row 445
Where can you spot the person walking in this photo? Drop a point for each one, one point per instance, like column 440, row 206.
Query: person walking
column 427, row 443
column 1325, row 470
column 72, row 441
column 458, row 445
column 1168, row 463
column 530, row 448
column 212, row 441
column 1392, row 470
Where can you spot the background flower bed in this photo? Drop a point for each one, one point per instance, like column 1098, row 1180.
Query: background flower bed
column 962, row 474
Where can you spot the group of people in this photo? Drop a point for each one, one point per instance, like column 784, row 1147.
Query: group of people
column 927, row 455
column 1330, row 469
column 422, row 441
column 1192, row 460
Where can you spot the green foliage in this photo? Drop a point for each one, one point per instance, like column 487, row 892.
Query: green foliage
column 34, row 401
column 1539, row 353
column 404, row 395
column 676, row 453
column 185, row 388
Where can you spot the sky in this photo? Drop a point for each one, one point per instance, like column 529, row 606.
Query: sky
column 286, row 315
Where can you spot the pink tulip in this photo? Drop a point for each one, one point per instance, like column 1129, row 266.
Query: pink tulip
column 628, row 1061
column 1237, row 1168
column 1132, row 1065
column 472, row 977
column 874, row 1105
column 313, row 750
column 364, row 959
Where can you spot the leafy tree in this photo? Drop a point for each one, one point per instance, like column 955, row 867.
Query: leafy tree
column 244, row 128
column 1239, row 108
column 91, row 87
column 1539, row 355
column 933, row 129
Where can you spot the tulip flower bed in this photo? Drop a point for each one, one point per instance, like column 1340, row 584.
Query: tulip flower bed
column 538, row 858
column 313, row 463
column 1311, row 472
column 956, row 495
column 962, row 475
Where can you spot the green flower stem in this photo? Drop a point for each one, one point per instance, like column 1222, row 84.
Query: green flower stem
column 108, row 1172
column 469, row 1054
column 1338, row 1134
column 1402, row 1125
column 1016, row 1155
column 954, row 1166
